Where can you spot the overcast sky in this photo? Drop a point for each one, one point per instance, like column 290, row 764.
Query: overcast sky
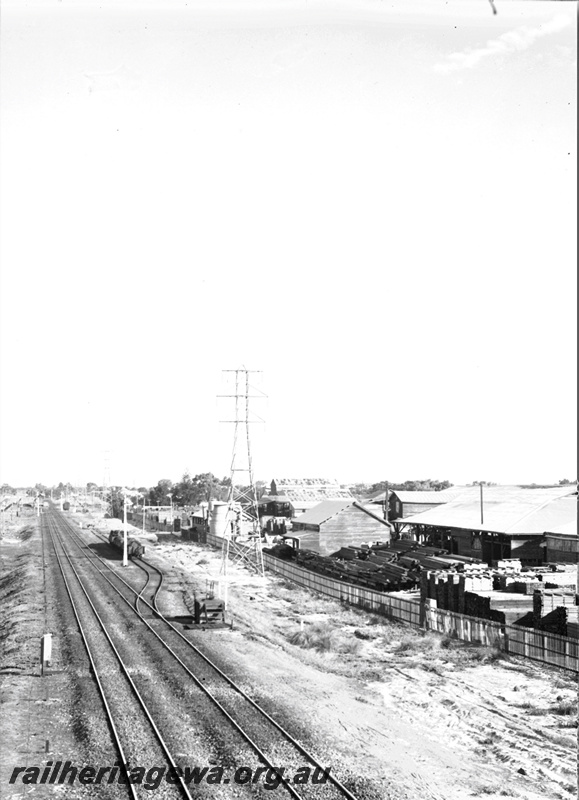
column 372, row 203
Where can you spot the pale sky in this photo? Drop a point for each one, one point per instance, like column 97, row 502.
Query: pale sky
column 372, row 203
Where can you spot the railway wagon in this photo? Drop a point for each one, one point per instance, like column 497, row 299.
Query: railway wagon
column 134, row 548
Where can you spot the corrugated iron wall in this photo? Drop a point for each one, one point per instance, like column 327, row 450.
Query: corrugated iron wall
column 350, row 527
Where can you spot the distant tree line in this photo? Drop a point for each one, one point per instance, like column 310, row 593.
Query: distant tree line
column 189, row 491
column 428, row 485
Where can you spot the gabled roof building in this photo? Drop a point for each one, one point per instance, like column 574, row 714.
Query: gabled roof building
column 510, row 522
column 333, row 524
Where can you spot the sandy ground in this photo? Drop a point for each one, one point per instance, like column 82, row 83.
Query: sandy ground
column 398, row 714
column 420, row 716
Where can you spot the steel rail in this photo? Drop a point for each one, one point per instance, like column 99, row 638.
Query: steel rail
column 196, row 680
column 346, row 792
column 138, row 597
column 138, row 564
column 125, row 671
column 109, row 714
column 161, row 575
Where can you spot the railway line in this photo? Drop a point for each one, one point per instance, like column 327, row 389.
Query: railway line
column 154, row 580
column 193, row 701
column 134, row 733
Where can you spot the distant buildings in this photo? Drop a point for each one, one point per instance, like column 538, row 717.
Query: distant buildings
column 289, row 497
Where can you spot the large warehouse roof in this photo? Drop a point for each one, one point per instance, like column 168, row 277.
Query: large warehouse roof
column 506, row 509
column 564, row 529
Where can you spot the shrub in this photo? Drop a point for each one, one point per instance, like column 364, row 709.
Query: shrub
column 324, row 638
column 313, row 637
column 565, row 708
column 568, row 723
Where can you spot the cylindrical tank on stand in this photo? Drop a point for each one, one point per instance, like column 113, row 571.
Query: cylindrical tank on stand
column 219, row 525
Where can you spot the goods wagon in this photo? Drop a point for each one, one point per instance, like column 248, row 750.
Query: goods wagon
column 134, row 548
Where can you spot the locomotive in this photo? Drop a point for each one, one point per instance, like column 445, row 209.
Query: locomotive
column 134, row 548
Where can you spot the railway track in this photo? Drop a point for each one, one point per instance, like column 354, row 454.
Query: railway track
column 134, row 732
column 207, row 687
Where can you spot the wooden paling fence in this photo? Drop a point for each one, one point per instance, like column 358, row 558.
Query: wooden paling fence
column 397, row 608
column 561, row 651
column 467, row 629
column 549, row 648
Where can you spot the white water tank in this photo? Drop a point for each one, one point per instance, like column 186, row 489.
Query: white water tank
column 219, row 524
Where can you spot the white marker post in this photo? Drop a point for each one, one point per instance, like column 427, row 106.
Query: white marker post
column 45, row 651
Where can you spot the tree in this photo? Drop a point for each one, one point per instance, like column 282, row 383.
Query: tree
column 427, row 485
column 116, row 503
column 199, row 489
column 62, row 489
column 158, row 494
column 361, row 489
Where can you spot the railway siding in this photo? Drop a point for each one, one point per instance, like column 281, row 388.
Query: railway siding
column 272, row 744
column 136, row 742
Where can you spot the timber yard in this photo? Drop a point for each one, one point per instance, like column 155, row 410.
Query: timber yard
column 395, row 646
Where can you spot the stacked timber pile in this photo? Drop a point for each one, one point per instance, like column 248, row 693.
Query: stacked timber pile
column 376, row 573
column 456, row 592
column 384, row 567
column 553, row 622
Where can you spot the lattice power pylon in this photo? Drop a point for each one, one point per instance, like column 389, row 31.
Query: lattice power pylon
column 107, row 469
column 242, row 508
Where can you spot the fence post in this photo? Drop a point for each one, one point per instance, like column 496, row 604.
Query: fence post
column 440, row 591
column 461, row 590
column 424, row 585
column 537, row 608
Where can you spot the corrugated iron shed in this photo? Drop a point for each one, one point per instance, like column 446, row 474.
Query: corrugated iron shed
column 323, row 511
column 506, row 509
